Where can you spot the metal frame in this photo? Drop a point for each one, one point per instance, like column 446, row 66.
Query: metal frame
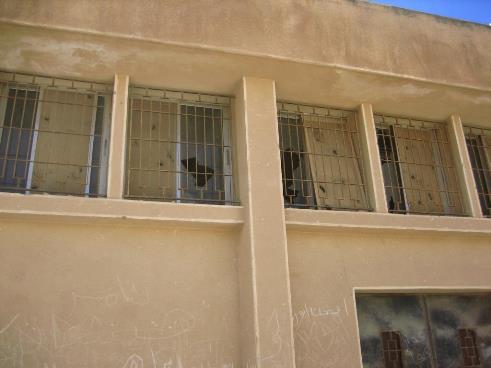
column 34, row 140
column 325, row 169
column 420, row 153
column 180, row 99
column 423, row 296
column 478, row 141
column 41, row 84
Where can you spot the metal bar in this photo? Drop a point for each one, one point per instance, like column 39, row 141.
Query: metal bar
column 198, row 174
column 324, row 169
column 424, row 166
column 24, row 154
column 479, row 146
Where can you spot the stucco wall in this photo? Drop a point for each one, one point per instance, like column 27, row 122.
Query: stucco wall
column 344, row 32
column 326, row 268
column 76, row 295
column 80, row 287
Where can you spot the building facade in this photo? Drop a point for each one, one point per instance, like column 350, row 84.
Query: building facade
column 243, row 184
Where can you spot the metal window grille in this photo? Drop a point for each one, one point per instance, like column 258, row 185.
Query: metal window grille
column 469, row 347
column 54, row 135
column 391, row 345
column 479, row 147
column 179, row 147
column 321, row 161
column 418, row 168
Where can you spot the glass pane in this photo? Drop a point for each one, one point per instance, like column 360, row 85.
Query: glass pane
column 16, row 138
column 97, row 147
column 201, row 154
column 297, row 183
column 402, row 314
column 448, row 315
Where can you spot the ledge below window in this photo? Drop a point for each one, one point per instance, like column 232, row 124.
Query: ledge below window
column 120, row 211
column 311, row 220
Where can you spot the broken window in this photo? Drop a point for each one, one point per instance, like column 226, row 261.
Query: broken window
column 424, row 331
column 179, row 147
column 54, row 135
column 320, row 158
column 418, row 167
column 479, row 147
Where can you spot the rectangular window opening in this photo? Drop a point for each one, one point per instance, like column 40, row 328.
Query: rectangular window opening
column 321, row 161
column 54, row 135
column 479, row 147
column 179, row 147
column 424, row 330
column 418, row 167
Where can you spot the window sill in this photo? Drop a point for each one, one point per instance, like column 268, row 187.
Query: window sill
column 312, row 220
column 126, row 212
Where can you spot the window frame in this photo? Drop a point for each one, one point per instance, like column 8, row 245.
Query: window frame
column 179, row 99
column 226, row 159
column 325, row 184
column 480, row 162
column 426, row 302
column 105, row 136
column 444, row 172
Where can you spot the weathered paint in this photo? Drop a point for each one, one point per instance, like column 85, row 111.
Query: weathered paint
column 117, row 283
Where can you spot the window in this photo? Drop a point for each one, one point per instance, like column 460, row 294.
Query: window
column 54, row 135
column 424, row 331
column 479, row 147
column 179, row 147
column 418, row 168
column 320, row 158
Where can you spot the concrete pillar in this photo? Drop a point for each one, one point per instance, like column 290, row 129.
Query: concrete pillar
column 265, row 300
column 463, row 166
column 115, row 175
column 371, row 159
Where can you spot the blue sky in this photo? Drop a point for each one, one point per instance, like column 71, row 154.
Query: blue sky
column 478, row 11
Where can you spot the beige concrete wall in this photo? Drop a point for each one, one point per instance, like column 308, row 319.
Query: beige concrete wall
column 95, row 57
column 349, row 33
column 115, row 283
column 79, row 295
column 326, row 267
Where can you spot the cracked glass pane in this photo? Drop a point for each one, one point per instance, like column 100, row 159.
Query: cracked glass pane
column 399, row 313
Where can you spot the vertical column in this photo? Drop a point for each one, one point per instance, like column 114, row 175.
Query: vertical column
column 265, row 300
column 371, row 157
column 115, row 175
column 463, row 167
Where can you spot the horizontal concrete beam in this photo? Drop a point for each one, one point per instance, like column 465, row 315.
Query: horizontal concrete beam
column 101, row 210
column 342, row 33
column 97, row 57
column 311, row 220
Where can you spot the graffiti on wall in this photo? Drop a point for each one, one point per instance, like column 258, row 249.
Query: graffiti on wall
column 117, row 329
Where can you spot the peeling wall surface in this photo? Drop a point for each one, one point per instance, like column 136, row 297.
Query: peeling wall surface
column 350, row 33
column 110, row 282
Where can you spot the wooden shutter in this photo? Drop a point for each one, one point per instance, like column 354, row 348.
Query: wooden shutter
column 62, row 146
column 447, row 175
column 152, row 149
column 428, row 174
column 418, row 170
column 335, row 170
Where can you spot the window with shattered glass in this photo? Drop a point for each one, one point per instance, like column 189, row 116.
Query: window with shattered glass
column 179, row 147
column 425, row 331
